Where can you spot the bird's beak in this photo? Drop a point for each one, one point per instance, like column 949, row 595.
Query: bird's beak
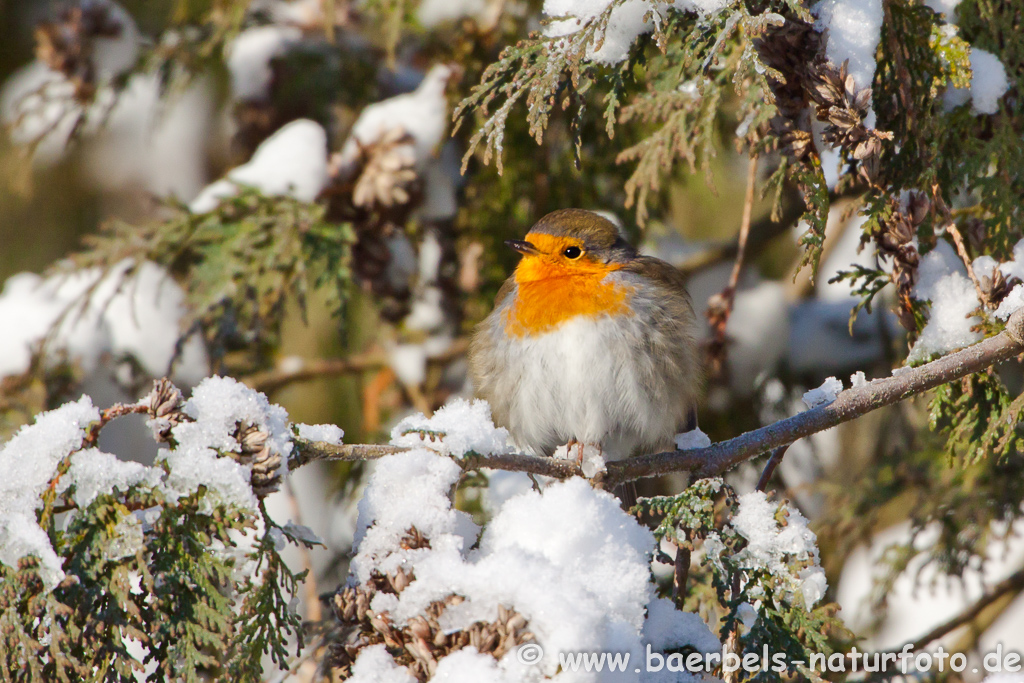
column 523, row 247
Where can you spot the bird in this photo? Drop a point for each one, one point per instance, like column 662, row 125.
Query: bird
column 589, row 343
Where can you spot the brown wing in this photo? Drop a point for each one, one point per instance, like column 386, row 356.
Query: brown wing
column 665, row 274
column 503, row 291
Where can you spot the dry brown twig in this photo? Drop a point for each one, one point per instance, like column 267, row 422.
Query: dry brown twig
column 958, row 240
column 720, row 305
column 717, row 458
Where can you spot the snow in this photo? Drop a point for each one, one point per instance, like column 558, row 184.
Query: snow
column 590, row 457
column 291, row 162
column 94, row 472
column 469, row 665
column 922, row 596
column 406, row 490
column 568, row 559
column 29, row 461
column 153, row 140
column 694, row 438
column 457, row 428
column 248, row 59
column 422, row 114
column 1009, row 305
column 988, row 84
column 954, row 298
column 668, row 628
column 326, row 433
column 433, row 13
column 758, row 331
column 625, row 25
column 775, row 547
column 140, row 320
column 947, row 7
column 858, row 380
column 114, row 55
column 409, row 361
column 854, row 28
column 38, row 100
column 823, row 395
column 218, row 406
column 375, row 665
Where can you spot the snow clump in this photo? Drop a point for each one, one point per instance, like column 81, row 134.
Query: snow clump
column 140, row 319
column 778, row 549
column 457, row 428
column 568, row 560
column 823, row 395
column 627, row 22
column 942, row 281
column 292, row 162
column 29, row 462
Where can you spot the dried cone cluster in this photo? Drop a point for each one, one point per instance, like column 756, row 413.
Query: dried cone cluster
column 794, row 49
column 66, row 45
column 844, row 109
column 388, row 175
column 264, row 463
column 165, row 409
column 376, row 190
column 895, row 240
column 165, row 413
column 420, row 644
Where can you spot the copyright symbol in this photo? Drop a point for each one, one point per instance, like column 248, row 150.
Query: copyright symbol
column 530, row 653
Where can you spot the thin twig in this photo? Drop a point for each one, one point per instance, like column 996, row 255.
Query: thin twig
column 769, row 468
column 958, row 240
column 273, row 380
column 717, row 458
column 1013, row 583
column 681, row 572
column 720, row 305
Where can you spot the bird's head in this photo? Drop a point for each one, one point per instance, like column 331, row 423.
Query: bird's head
column 570, row 242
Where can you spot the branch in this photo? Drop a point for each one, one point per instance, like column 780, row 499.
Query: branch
column 1011, row 584
column 273, row 380
column 309, row 451
column 717, row 458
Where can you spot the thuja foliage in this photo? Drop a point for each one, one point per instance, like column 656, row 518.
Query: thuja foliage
column 241, row 264
column 183, row 585
column 756, row 602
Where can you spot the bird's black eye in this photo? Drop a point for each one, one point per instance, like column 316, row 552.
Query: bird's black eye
column 572, row 252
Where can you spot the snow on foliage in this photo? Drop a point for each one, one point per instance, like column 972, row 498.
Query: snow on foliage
column 94, row 472
column 788, row 552
column 567, row 559
column 38, row 103
column 457, row 428
column 854, row 28
column 628, row 21
column 421, row 114
column 140, row 320
column 291, row 162
column 249, row 56
column 208, row 429
column 942, row 281
column 29, row 461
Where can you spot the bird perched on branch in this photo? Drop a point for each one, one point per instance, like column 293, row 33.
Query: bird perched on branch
column 588, row 343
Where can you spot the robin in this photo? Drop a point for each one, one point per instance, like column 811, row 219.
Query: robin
column 588, row 343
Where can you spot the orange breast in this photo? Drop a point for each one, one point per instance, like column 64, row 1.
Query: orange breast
column 542, row 305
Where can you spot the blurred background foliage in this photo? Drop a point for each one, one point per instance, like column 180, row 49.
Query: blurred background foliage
column 352, row 305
